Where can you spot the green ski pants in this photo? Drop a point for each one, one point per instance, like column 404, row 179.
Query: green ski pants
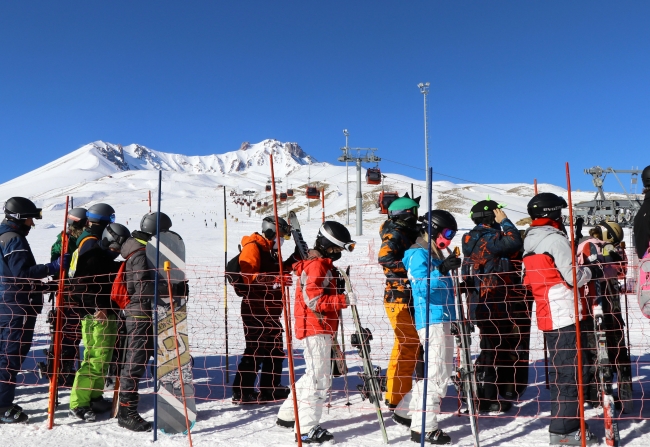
column 99, row 341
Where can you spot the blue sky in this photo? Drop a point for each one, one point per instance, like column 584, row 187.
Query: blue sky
column 517, row 87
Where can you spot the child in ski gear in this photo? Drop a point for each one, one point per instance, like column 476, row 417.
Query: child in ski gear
column 549, row 275
column 21, row 297
column 642, row 218
column 316, row 320
column 261, row 308
column 489, row 274
column 398, row 233
column 441, row 312
column 76, row 222
column 600, row 250
column 139, row 343
column 92, row 283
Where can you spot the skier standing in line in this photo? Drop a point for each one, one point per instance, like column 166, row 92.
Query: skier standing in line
column 139, row 343
column 442, row 313
column 549, row 274
column 21, row 296
column 398, row 233
column 261, row 308
column 92, row 283
column 316, row 321
column 642, row 218
column 490, row 276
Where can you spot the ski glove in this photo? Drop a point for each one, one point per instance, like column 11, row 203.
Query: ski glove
column 451, row 262
column 350, row 299
column 54, row 266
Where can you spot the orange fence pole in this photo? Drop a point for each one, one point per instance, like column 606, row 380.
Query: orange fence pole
column 322, row 195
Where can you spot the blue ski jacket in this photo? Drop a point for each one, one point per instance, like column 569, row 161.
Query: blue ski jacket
column 18, row 269
column 441, row 306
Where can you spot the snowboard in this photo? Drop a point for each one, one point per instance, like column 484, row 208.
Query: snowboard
column 643, row 292
column 297, row 235
column 171, row 413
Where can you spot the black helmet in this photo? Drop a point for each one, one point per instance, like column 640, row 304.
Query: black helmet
column 77, row 217
column 546, row 204
column 268, row 228
column 440, row 220
column 334, row 234
column 148, row 223
column 645, row 177
column 114, row 236
column 101, row 213
column 20, row 208
column 483, row 211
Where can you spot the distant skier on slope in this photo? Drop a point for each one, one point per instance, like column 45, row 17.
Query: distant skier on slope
column 548, row 273
column 490, row 277
column 316, row 320
column 398, row 233
column 441, row 312
column 21, row 297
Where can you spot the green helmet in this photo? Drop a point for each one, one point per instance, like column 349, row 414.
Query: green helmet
column 403, row 208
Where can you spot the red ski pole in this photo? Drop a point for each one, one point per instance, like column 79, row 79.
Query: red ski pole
column 287, row 310
column 576, row 309
column 57, row 325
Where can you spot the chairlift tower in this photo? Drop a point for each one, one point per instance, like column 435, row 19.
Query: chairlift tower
column 368, row 157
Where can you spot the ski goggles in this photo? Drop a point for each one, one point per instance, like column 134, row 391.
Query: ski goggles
column 448, row 233
column 37, row 215
column 101, row 217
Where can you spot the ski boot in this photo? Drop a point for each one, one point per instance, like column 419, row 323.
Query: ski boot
column 316, row 435
column 279, row 393
column 245, row 398
column 499, row 406
column 100, row 405
column 572, row 438
column 406, row 422
column 83, row 413
column 129, row 418
column 285, row 424
column 13, row 415
column 437, row 437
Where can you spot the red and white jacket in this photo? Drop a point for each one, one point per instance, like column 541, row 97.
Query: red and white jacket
column 317, row 303
column 548, row 273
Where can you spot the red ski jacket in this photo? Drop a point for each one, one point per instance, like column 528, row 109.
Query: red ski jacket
column 317, row 303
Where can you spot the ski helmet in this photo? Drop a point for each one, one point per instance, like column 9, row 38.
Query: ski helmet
column 101, row 213
column 645, row 177
column 114, row 236
column 612, row 232
column 148, row 223
column 443, row 227
column 77, row 217
column 268, row 228
column 484, row 211
column 403, row 208
column 546, row 204
column 333, row 234
column 20, row 208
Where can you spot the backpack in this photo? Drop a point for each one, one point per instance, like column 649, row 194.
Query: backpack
column 119, row 292
column 233, row 274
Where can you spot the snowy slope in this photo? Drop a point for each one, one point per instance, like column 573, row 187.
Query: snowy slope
column 193, row 196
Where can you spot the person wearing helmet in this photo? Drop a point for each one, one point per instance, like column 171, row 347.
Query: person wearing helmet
column 642, row 219
column 316, row 312
column 441, row 311
column 21, row 298
column 599, row 250
column 261, row 308
column 140, row 284
column 548, row 273
column 398, row 233
column 76, row 223
column 92, row 283
column 490, row 276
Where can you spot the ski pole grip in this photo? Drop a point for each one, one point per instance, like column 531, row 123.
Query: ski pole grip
column 167, row 266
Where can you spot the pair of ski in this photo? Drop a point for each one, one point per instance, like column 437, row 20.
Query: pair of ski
column 370, row 377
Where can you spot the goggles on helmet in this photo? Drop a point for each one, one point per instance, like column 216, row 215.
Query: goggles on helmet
column 448, row 233
column 110, row 218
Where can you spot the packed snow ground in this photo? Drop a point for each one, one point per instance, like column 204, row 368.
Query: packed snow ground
column 195, row 203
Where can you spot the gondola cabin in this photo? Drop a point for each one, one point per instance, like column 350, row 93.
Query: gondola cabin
column 312, row 193
column 259, row 204
column 373, row 176
column 289, row 192
column 252, row 208
column 385, row 199
column 283, row 197
column 268, row 188
column 266, row 203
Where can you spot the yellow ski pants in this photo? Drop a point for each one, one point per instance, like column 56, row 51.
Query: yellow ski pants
column 403, row 358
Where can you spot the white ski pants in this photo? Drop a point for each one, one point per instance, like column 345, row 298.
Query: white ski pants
column 311, row 388
column 441, row 352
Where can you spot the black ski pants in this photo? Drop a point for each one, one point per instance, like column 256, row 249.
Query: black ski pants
column 264, row 349
column 138, row 349
column 562, row 379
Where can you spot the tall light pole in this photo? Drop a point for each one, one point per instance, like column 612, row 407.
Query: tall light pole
column 347, row 180
column 424, row 89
